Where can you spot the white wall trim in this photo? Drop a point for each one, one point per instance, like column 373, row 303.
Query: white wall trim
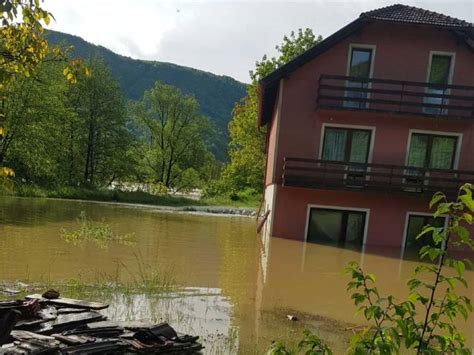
column 339, row 208
column 437, row 133
column 277, row 130
column 405, row 230
column 335, row 125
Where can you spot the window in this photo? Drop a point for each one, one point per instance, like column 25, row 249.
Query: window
column 339, row 227
column 414, row 227
column 346, row 144
column 432, row 151
column 360, row 66
column 439, row 74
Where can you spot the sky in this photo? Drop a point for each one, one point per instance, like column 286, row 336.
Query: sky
column 224, row 37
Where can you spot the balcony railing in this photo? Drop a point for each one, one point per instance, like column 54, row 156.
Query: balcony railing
column 312, row 173
column 407, row 97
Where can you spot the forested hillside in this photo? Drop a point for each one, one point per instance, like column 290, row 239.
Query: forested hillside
column 215, row 94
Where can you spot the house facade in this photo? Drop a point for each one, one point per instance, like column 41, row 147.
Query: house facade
column 364, row 127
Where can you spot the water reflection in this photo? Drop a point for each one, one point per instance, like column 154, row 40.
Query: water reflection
column 240, row 293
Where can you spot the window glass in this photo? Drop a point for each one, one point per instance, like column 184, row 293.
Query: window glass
column 359, row 146
column 344, row 144
column 355, row 227
column 431, row 151
column 417, row 153
column 439, row 70
column 325, row 225
column 334, row 144
column 360, row 63
column 336, row 227
column 442, row 152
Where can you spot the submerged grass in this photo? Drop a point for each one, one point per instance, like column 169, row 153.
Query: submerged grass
column 90, row 230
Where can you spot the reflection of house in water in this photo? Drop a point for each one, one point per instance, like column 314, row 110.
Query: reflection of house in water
column 364, row 127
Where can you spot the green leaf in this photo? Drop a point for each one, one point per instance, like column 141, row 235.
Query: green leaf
column 459, row 267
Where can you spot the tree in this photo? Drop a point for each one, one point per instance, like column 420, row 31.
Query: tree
column 247, row 142
column 22, row 47
column 173, row 134
column 98, row 138
column 35, row 108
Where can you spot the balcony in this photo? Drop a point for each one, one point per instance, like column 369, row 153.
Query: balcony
column 320, row 174
column 394, row 96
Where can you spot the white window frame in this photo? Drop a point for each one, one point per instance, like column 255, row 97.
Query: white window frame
column 451, row 70
column 459, row 135
column 348, row 126
column 407, row 220
column 373, row 48
column 338, row 208
column 372, row 130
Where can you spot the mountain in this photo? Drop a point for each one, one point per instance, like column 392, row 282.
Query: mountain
column 216, row 94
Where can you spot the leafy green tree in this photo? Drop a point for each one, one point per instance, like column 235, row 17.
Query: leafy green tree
column 98, row 138
column 22, row 47
column 35, row 109
column 173, row 135
column 247, row 141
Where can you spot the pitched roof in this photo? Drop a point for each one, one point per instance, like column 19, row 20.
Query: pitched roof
column 410, row 14
column 268, row 86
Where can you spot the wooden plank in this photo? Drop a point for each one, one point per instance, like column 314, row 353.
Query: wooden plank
column 70, row 302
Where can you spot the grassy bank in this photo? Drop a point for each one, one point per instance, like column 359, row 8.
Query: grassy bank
column 133, row 197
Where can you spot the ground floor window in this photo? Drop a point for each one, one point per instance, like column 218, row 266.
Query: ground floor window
column 334, row 226
column 414, row 227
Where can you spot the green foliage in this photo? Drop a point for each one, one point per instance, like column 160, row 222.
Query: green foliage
column 22, row 44
column 172, row 133
column 426, row 320
column 60, row 134
column 90, row 230
column 215, row 94
column 247, row 141
column 309, row 345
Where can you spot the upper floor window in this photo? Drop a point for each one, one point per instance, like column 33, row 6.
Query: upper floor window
column 439, row 74
column 346, row 144
column 360, row 66
column 432, row 151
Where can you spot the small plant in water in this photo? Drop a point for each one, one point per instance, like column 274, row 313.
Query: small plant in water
column 426, row 320
column 99, row 232
column 310, row 344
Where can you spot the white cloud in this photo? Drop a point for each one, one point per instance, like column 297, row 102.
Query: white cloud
column 220, row 36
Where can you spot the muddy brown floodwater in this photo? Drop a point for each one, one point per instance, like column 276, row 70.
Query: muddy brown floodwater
column 231, row 293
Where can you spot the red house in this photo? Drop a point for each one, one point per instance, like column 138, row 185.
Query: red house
column 364, row 127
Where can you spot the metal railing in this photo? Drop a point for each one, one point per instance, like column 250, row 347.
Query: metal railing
column 313, row 173
column 407, row 97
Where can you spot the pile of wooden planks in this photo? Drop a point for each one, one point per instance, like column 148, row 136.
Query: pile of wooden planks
column 50, row 324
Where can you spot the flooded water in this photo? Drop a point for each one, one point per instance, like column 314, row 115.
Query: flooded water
column 231, row 294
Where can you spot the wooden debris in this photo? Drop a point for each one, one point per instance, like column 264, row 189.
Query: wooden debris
column 69, row 302
column 67, row 326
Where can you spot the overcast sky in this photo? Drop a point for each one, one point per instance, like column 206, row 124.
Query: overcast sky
column 220, row 36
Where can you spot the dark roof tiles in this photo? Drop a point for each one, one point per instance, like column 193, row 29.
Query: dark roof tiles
column 410, row 14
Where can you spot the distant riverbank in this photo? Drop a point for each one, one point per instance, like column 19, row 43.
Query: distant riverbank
column 214, row 205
